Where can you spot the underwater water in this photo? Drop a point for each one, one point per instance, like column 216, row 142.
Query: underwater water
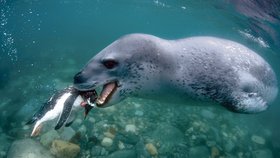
column 45, row 43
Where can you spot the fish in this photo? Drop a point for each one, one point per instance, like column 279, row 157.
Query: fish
column 63, row 106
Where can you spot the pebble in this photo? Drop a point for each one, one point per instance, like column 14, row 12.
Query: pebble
column 110, row 109
column 225, row 134
column 229, row 146
column 130, row 128
column 207, row 114
column 258, row 139
column 141, row 150
column 109, row 135
column 48, row 137
column 139, row 113
column 136, row 105
column 98, row 151
column 78, row 121
column 214, row 152
column 64, row 149
column 25, row 127
column 28, row 148
column 240, row 154
column 2, row 154
column 264, row 153
column 210, row 143
column 190, row 130
column 151, row 149
column 168, row 136
column 67, row 133
column 6, row 142
column 82, row 129
column 107, row 142
column 123, row 154
column 196, row 124
column 127, row 138
column 199, row 151
column 91, row 119
column 121, row 145
column 166, row 133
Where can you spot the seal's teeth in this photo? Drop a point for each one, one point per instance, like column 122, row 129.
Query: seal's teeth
column 106, row 93
column 100, row 101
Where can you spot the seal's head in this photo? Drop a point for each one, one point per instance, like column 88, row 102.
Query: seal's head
column 123, row 69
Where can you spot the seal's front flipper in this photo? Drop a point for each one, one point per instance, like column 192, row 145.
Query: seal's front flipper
column 246, row 103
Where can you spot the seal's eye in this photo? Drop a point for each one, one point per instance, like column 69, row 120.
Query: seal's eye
column 110, row 64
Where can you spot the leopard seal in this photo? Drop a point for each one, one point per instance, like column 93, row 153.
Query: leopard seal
column 195, row 68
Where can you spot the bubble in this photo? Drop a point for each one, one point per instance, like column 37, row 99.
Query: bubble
column 7, row 40
column 260, row 41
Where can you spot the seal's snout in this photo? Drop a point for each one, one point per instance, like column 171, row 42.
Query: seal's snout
column 80, row 78
column 82, row 81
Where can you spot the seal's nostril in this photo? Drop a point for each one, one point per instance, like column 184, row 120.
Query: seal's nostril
column 79, row 78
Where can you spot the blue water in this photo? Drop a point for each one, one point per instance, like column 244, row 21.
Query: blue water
column 44, row 43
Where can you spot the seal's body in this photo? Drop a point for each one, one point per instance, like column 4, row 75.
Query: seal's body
column 204, row 68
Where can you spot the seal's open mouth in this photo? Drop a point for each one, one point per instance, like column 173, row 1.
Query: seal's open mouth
column 106, row 93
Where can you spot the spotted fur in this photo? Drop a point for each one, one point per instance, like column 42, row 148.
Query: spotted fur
column 203, row 68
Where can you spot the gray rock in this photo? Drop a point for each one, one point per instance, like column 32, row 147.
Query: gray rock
column 123, row 154
column 64, row 149
column 82, row 129
column 168, row 136
column 98, row 151
column 166, row 133
column 139, row 113
column 229, row 146
column 106, row 142
column 141, row 150
column 179, row 151
column 265, row 153
column 3, row 154
column 48, row 137
column 258, row 139
column 67, row 133
column 127, row 137
column 210, row 143
column 28, row 148
column 130, row 128
column 103, row 152
column 5, row 144
column 199, row 151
